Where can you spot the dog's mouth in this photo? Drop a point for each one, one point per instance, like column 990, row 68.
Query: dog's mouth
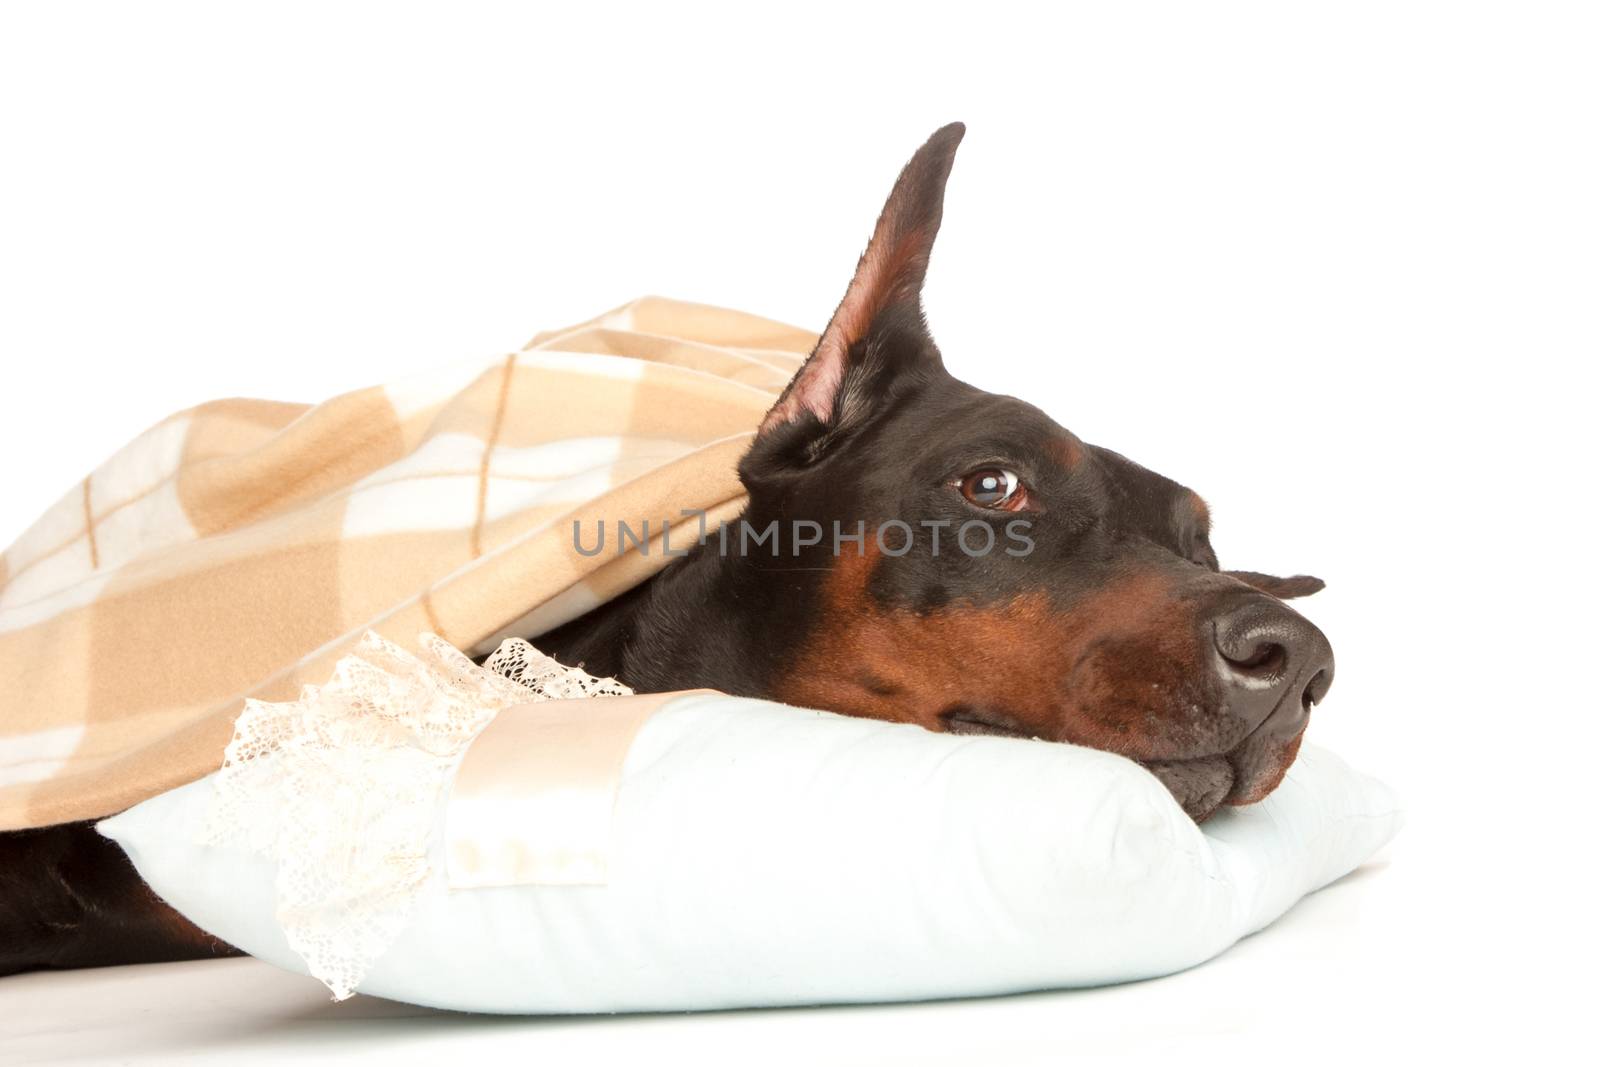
column 966, row 719
column 1200, row 785
column 1244, row 775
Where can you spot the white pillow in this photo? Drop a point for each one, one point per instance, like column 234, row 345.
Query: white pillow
column 768, row 855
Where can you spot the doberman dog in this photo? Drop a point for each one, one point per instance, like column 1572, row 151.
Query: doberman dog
column 1096, row 613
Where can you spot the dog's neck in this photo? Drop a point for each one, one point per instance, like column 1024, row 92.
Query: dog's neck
column 694, row 624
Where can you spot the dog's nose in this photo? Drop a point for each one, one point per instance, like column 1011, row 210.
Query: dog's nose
column 1272, row 659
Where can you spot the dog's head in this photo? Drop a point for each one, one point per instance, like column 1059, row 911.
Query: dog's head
column 979, row 569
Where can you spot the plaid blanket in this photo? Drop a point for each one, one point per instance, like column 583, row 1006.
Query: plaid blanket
column 239, row 548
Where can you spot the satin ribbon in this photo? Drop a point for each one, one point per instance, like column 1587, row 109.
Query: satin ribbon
column 535, row 793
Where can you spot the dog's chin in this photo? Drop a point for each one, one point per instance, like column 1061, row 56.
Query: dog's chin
column 1200, row 786
column 1246, row 775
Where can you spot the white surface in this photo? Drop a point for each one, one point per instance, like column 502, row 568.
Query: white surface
column 1367, row 229
column 767, row 855
column 245, row 1011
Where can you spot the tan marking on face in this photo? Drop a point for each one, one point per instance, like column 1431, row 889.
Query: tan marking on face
column 1097, row 675
column 1067, row 451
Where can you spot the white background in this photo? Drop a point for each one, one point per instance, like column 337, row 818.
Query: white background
column 1335, row 266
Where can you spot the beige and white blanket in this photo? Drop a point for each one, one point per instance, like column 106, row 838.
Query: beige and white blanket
column 239, row 548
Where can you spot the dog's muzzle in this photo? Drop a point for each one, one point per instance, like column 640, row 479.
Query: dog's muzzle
column 1274, row 665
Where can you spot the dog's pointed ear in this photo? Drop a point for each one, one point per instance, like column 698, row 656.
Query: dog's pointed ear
column 878, row 330
column 1282, row 588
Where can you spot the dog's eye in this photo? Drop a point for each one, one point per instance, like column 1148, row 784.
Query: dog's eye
column 994, row 487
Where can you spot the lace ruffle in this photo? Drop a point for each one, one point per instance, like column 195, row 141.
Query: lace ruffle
column 342, row 787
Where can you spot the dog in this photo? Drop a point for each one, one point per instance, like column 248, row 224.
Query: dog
column 1096, row 613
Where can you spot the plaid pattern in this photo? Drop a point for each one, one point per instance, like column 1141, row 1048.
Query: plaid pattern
column 239, row 548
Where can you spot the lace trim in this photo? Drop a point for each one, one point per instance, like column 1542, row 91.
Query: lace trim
column 342, row 786
column 528, row 667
